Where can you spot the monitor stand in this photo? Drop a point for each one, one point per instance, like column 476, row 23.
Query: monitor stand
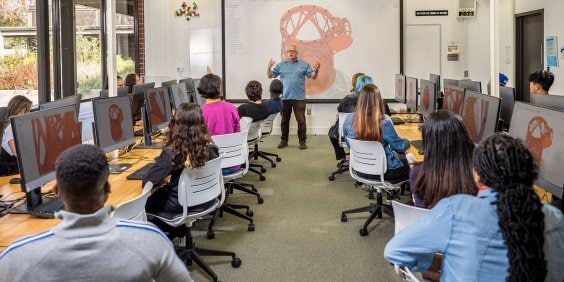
column 33, row 198
column 147, row 134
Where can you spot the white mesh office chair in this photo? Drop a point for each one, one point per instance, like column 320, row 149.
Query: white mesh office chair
column 404, row 216
column 344, row 166
column 134, row 209
column 245, row 123
column 266, row 130
column 195, row 188
column 253, row 137
column 369, row 157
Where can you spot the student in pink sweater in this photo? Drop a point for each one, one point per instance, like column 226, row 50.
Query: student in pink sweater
column 221, row 117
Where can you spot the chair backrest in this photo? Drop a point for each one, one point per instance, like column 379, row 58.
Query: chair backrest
column 367, row 157
column 405, row 215
column 233, row 147
column 254, row 133
column 134, row 209
column 267, row 124
column 342, row 117
column 201, row 185
column 245, row 123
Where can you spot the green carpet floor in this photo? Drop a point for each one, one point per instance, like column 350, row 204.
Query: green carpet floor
column 298, row 233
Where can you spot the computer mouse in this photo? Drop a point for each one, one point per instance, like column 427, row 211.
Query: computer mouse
column 15, row 181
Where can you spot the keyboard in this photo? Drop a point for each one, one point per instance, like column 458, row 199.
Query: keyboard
column 140, row 173
column 418, row 144
column 47, row 209
column 397, row 120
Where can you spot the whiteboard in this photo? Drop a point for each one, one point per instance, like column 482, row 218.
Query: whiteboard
column 345, row 38
column 422, row 59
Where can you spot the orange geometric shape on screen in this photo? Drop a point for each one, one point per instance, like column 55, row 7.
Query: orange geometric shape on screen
column 157, row 104
column 453, row 100
column 425, row 98
column 539, row 137
column 52, row 136
column 475, row 117
column 399, row 90
column 334, row 35
column 115, row 114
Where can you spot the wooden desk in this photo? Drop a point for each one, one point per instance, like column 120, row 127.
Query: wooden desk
column 411, row 132
column 14, row 226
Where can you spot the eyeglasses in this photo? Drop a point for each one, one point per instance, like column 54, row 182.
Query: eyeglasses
column 292, row 51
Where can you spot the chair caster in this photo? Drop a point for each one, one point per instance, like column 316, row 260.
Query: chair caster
column 278, row 159
column 250, row 213
column 273, row 165
column 236, row 262
column 343, row 218
column 363, row 232
column 260, row 200
column 251, row 227
column 262, row 178
column 371, row 196
column 331, row 178
column 211, row 234
column 263, row 170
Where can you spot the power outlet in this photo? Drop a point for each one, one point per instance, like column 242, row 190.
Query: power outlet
column 308, row 111
column 466, row 73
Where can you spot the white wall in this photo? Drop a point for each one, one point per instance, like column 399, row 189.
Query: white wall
column 553, row 25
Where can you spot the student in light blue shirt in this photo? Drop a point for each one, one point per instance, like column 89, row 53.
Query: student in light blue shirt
column 503, row 234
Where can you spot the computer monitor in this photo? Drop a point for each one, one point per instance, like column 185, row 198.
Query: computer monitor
column 138, row 100
column 411, row 93
column 475, row 86
column 168, row 83
column 450, row 82
column 112, row 127
column 121, row 91
column 548, row 101
column 400, row 88
column 541, row 128
column 453, row 97
column 427, row 97
column 157, row 109
column 480, row 113
column 507, row 95
column 436, row 78
column 178, row 93
column 189, row 82
column 71, row 100
column 40, row 137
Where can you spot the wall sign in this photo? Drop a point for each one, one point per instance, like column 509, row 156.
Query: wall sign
column 431, row 13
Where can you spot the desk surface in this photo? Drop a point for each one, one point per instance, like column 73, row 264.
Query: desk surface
column 14, row 226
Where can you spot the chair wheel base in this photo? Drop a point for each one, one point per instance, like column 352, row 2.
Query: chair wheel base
column 250, row 213
column 210, row 234
column 236, row 262
column 278, row 159
column 260, row 200
column 331, row 178
column 363, row 232
column 263, row 170
column 262, row 178
column 343, row 218
column 251, row 227
column 273, row 165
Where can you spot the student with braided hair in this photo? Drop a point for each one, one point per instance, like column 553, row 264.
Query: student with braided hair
column 503, row 234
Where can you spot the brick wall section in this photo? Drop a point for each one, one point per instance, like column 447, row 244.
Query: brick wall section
column 141, row 16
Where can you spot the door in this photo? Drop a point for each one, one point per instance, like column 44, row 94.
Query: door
column 529, row 49
column 422, row 59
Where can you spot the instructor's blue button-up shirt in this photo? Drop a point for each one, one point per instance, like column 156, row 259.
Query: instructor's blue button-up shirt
column 465, row 229
column 292, row 77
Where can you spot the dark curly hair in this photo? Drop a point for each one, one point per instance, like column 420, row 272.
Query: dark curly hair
column 508, row 167
column 447, row 169
column 253, row 90
column 188, row 137
column 276, row 88
column 210, row 86
column 130, row 81
column 542, row 77
column 82, row 172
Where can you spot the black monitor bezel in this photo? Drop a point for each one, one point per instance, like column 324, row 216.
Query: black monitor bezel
column 506, row 116
column 97, row 135
column 151, row 128
column 548, row 101
column 70, row 100
column 469, row 84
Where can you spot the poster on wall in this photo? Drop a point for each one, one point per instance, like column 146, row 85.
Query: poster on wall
column 551, row 51
column 345, row 39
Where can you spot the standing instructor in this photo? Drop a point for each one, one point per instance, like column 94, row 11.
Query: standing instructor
column 292, row 73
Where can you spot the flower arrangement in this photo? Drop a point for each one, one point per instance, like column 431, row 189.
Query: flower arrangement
column 187, row 11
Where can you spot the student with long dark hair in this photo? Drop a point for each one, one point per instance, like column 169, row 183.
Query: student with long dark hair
column 131, row 80
column 447, row 169
column 187, row 145
column 18, row 105
column 370, row 123
column 503, row 234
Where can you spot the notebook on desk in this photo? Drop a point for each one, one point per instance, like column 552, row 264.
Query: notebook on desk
column 140, row 173
column 417, row 144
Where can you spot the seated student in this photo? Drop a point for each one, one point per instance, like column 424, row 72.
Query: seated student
column 221, row 117
column 131, row 80
column 89, row 245
column 540, row 82
column 447, row 169
column 346, row 105
column 370, row 123
column 187, row 144
column 275, row 103
column 18, row 105
column 119, row 83
column 503, row 234
column 255, row 108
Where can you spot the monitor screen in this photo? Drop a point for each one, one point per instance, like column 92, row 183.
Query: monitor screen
column 400, row 88
column 71, row 100
column 453, row 97
column 411, row 93
column 40, row 137
column 138, row 100
column 158, row 108
column 112, row 125
column 189, row 83
column 507, row 95
column 475, row 86
column 168, row 82
column 427, row 99
column 179, row 95
column 541, row 128
column 121, row 91
column 480, row 113
column 548, row 101
column 450, row 82
column 437, row 80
